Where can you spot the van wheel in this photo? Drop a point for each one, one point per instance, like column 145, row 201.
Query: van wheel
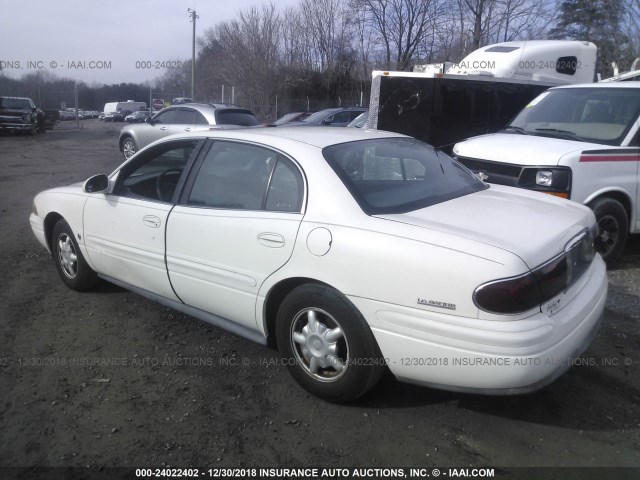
column 327, row 345
column 613, row 224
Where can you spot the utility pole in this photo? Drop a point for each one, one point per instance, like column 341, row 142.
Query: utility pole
column 192, row 14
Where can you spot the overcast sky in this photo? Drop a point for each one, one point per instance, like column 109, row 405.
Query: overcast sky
column 104, row 41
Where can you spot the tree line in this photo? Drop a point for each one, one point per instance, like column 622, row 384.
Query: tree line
column 320, row 53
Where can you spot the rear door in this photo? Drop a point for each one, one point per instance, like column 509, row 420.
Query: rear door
column 235, row 225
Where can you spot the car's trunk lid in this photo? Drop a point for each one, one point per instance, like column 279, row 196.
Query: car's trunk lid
column 531, row 225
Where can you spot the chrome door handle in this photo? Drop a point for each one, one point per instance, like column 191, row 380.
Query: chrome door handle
column 151, row 221
column 271, row 240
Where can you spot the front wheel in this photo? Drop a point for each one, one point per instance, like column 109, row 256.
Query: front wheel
column 73, row 269
column 327, row 345
column 129, row 148
column 613, row 224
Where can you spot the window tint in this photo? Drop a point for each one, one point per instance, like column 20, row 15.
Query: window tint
column 398, row 175
column 286, row 188
column 340, row 117
column 247, row 177
column 155, row 175
column 234, row 176
column 236, row 116
column 200, row 119
column 167, row 117
column 185, row 116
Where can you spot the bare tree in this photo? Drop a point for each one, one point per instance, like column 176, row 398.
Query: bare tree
column 402, row 26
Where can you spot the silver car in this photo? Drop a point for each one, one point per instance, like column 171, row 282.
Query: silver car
column 181, row 119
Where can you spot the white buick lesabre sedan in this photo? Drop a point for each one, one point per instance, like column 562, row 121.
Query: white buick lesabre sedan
column 350, row 251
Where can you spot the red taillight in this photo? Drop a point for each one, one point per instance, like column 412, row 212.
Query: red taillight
column 522, row 293
column 510, row 295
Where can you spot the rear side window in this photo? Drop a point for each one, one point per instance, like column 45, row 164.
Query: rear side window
column 247, row 177
column 236, row 116
column 398, row 175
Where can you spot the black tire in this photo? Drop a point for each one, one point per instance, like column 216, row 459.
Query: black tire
column 129, row 147
column 32, row 129
column 335, row 357
column 614, row 228
column 71, row 265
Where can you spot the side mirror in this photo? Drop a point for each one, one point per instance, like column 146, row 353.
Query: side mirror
column 96, row 184
column 148, row 120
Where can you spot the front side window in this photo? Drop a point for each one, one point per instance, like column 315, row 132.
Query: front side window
column 598, row 115
column 246, row 177
column 166, row 117
column 398, row 175
column 155, row 174
column 185, row 116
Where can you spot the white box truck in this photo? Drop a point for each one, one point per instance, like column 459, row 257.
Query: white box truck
column 445, row 103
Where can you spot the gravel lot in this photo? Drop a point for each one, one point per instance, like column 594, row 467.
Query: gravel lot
column 107, row 378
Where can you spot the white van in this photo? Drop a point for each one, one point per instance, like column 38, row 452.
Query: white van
column 579, row 142
column 129, row 106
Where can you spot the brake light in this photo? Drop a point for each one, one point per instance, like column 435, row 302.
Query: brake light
column 522, row 293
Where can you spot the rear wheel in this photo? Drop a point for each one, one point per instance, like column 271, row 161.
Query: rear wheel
column 73, row 269
column 327, row 345
column 613, row 224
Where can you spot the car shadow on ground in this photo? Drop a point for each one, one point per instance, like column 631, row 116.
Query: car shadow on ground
column 583, row 399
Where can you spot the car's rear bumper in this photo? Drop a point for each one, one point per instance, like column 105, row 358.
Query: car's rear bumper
column 492, row 357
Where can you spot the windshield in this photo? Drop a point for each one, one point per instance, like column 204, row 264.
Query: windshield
column 15, row 103
column 598, row 115
column 398, row 175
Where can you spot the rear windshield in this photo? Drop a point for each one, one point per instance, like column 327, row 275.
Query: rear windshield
column 398, row 175
column 236, row 116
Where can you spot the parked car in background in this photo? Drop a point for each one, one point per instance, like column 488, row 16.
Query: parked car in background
column 579, row 142
column 113, row 117
column 183, row 118
column 181, row 100
column 66, row 115
column 137, row 117
column 20, row 114
column 291, row 117
column 352, row 251
column 360, row 121
column 330, row 117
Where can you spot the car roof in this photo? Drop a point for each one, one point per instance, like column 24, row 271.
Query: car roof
column 600, row 85
column 319, row 137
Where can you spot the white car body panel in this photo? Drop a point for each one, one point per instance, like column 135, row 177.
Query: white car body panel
column 498, row 229
column 218, row 259
column 124, row 239
column 411, row 275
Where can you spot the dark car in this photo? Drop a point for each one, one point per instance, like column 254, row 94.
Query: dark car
column 330, row 117
column 137, row 117
column 114, row 117
column 20, row 114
